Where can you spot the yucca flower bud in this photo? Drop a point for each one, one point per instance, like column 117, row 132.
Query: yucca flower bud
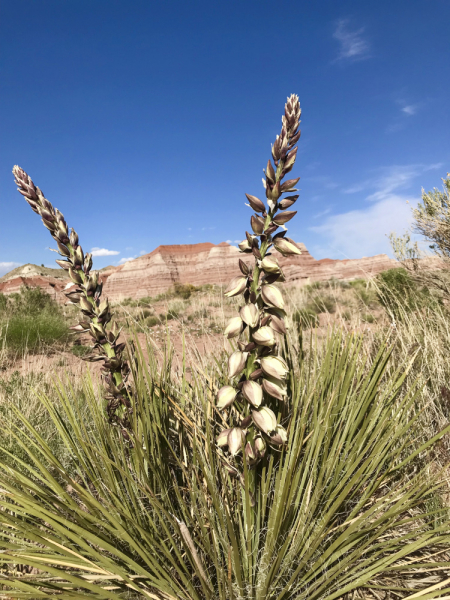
column 288, row 186
column 284, row 217
column 279, row 437
column 274, row 366
column 290, row 160
column 63, row 250
column 264, row 419
column 87, row 262
column 286, row 246
column 222, row 438
column 64, row 264
column 245, row 270
column 236, row 286
column 288, row 201
column 103, row 308
column 250, row 315
column 257, row 224
column 236, row 362
column 256, row 203
column 78, row 256
column 270, row 172
column 272, row 296
column 277, row 324
column 73, row 238
column 264, row 337
column 270, row 265
column 260, row 446
column 92, row 283
column 235, row 327
column 226, row 396
column 85, row 305
column 250, row 453
column 74, row 276
column 252, row 392
column 273, row 388
column 244, row 246
column 236, row 438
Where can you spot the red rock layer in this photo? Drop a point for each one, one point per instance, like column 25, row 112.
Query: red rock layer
column 200, row 264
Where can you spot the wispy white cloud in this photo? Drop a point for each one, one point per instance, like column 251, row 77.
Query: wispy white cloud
column 104, row 252
column 322, row 181
column 353, row 189
column 353, row 46
column 6, row 266
column 362, row 232
column 231, row 242
column 322, row 213
column 124, row 260
column 410, row 109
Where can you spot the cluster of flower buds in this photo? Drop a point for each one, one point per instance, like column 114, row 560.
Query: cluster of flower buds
column 85, row 291
column 257, row 371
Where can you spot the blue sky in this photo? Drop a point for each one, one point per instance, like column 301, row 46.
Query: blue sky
column 146, row 122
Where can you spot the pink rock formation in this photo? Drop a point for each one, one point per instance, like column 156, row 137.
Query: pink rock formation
column 34, row 276
column 200, row 264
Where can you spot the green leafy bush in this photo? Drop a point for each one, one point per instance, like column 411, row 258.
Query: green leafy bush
column 322, row 304
column 152, row 321
column 184, row 290
column 306, row 317
column 399, row 293
column 145, row 313
column 80, row 350
column 31, row 319
column 367, row 318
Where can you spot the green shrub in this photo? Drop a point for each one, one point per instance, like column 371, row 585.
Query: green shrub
column 80, row 351
column 201, row 313
column 31, row 319
column 144, row 314
column 184, row 290
column 322, row 304
column 126, row 301
column 306, row 317
column 152, row 321
column 30, row 333
column 145, row 301
column 166, row 316
column 367, row 318
column 3, row 303
column 398, row 292
column 346, row 315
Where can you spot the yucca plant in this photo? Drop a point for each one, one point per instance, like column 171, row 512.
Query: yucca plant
column 86, row 294
column 256, row 402
column 341, row 508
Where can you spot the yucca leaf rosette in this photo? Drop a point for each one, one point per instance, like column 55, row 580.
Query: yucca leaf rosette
column 257, row 372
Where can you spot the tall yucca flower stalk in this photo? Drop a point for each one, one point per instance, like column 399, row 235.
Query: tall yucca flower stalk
column 96, row 313
column 257, row 393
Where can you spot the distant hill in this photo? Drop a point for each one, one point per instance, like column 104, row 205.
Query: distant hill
column 30, row 270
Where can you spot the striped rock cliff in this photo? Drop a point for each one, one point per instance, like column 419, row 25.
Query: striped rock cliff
column 199, row 264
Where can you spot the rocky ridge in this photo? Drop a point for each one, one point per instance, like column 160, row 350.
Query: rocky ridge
column 204, row 263
column 198, row 264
